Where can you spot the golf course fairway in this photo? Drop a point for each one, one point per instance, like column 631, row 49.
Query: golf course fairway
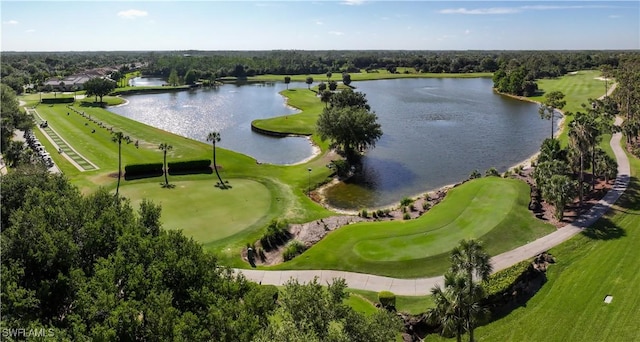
column 491, row 208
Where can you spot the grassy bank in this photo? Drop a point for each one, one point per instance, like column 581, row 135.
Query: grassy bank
column 491, row 209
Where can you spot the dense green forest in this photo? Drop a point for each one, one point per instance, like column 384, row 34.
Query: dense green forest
column 24, row 68
column 90, row 268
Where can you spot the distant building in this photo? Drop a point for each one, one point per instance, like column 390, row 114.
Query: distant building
column 77, row 81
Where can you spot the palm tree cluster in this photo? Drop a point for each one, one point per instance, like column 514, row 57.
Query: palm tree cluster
column 560, row 173
column 458, row 306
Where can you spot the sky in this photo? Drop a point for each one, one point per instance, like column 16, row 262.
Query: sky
column 318, row 25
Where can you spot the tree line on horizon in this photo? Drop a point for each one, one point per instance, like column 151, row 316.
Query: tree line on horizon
column 19, row 69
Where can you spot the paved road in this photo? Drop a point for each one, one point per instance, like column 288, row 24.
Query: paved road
column 422, row 286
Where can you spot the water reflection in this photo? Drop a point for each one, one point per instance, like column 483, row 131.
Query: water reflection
column 228, row 109
column 436, row 132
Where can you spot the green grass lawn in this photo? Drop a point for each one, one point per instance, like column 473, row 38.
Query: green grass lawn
column 570, row 306
column 414, row 305
column 365, row 76
column 201, row 210
column 491, row 209
column 577, row 88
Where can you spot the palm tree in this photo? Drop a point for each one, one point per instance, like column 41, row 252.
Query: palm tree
column 449, row 305
column 553, row 100
column 309, row 82
column 287, row 80
column 470, row 259
column 325, row 97
column 214, row 137
column 118, row 137
column 558, row 190
column 165, row 148
column 579, row 140
column 329, row 74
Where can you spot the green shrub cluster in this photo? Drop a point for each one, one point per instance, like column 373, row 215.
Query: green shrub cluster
column 406, row 201
column 501, row 281
column 387, row 299
column 277, row 234
column 58, row 100
column 294, row 248
column 188, row 165
column 143, row 169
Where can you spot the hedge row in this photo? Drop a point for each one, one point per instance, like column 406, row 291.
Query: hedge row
column 143, row 169
column 58, row 100
column 189, row 165
column 501, row 281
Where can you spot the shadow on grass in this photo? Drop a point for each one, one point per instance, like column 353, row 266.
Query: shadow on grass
column 93, row 104
column 142, row 176
column 206, row 171
column 604, row 229
column 167, row 186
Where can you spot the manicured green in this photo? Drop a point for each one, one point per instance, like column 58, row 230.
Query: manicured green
column 577, row 88
column 570, row 306
column 360, row 304
column 201, row 210
column 410, row 304
column 286, row 184
column 492, row 209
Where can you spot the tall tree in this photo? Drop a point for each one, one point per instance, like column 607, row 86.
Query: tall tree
column 470, row 259
column 552, row 101
column 329, row 74
column 353, row 129
column 559, row 190
column 580, row 139
column 99, row 87
column 322, row 87
column 287, row 80
column 118, row 137
column 173, row 79
column 325, row 97
column 449, row 302
column 214, row 137
column 346, row 79
column 333, row 85
column 309, row 82
column 165, row 148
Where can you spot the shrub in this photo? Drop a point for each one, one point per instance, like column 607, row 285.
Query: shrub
column 406, row 201
column 294, row 248
column 58, row 100
column 387, row 212
column 143, row 169
column 277, row 234
column 187, row 166
column 502, row 280
column 492, row 172
column 426, row 206
column 380, row 213
column 387, row 299
column 475, row 174
column 412, row 207
column 406, row 216
column 364, row 213
column 341, row 167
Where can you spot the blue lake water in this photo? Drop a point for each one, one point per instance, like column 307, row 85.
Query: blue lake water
column 436, row 131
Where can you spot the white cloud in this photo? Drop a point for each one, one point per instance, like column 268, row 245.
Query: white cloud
column 336, row 33
column 467, row 31
column 353, row 2
column 132, row 14
column 614, row 16
column 318, row 22
column 519, row 9
column 30, row 31
column 11, row 22
column 480, row 11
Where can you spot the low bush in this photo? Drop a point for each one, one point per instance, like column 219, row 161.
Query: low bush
column 502, row 280
column 380, row 213
column 134, row 170
column 364, row 213
column 277, row 234
column 58, row 100
column 293, row 248
column 387, row 299
column 406, row 216
column 406, row 201
column 426, row 206
column 189, row 166
column 492, row 172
